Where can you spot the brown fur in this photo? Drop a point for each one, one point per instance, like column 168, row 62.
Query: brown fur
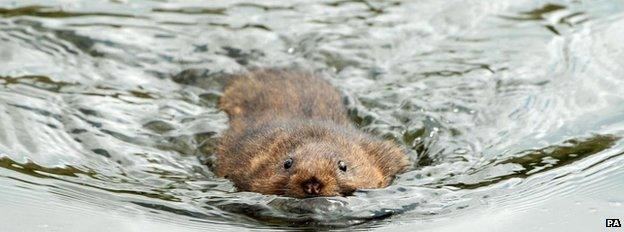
column 276, row 115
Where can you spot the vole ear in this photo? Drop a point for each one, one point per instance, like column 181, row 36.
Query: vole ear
column 387, row 156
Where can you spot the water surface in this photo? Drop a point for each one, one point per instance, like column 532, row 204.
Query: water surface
column 512, row 111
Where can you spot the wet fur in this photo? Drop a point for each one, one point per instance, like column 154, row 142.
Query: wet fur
column 279, row 114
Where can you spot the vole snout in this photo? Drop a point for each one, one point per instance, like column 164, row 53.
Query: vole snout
column 312, row 186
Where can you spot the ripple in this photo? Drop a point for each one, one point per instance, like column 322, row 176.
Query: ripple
column 532, row 162
column 52, row 12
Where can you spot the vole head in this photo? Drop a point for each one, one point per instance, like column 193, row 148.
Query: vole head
column 322, row 168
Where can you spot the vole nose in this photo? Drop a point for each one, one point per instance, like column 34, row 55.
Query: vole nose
column 312, row 187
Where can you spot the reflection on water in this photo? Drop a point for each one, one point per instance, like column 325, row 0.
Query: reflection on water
column 531, row 162
column 108, row 110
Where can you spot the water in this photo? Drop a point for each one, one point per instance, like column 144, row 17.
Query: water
column 512, row 111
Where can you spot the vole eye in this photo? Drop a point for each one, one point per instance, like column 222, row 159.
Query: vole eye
column 288, row 163
column 342, row 165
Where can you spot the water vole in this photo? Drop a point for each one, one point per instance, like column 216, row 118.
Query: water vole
column 289, row 135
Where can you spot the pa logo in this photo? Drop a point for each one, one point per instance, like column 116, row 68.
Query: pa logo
column 614, row 223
